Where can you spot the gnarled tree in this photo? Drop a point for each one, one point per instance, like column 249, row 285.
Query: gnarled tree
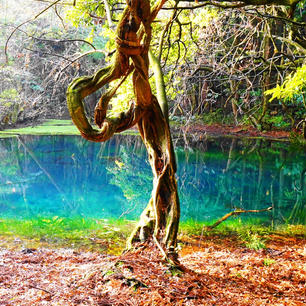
column 160, row 219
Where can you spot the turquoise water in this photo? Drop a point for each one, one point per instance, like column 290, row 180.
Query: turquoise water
column 67, row 176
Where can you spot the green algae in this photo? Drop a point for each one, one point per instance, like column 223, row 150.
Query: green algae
column 50, row 127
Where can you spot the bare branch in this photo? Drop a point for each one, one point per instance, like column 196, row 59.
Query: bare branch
column 25, row 22
column 236, row 212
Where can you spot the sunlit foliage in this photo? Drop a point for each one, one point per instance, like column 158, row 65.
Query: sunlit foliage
column 292, row 89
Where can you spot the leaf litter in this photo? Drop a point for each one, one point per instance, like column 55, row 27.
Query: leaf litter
column 214, row 271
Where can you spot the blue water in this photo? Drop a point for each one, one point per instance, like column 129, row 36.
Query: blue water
column 67, row 176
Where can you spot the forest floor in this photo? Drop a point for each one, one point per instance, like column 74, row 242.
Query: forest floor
column 233, row 130
column 217, row 270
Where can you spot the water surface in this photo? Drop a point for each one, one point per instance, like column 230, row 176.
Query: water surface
column 67, row 176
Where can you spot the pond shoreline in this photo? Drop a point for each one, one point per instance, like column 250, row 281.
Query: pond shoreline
column 232, row 131
column 199, row 131
column 109, row 236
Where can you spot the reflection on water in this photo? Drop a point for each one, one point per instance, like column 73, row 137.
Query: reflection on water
column 68, row 176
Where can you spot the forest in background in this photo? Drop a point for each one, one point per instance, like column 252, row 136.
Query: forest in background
column 221, row 63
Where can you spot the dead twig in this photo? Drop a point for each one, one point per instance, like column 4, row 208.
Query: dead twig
column 236, row 212
column 42, row 289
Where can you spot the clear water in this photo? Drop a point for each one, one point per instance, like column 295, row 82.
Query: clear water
column 67, row 176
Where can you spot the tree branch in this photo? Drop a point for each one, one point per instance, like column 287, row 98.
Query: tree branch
column 236, row 212
column 256, row 12
column 236, row 4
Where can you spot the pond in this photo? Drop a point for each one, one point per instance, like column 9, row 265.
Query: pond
column 67, row 176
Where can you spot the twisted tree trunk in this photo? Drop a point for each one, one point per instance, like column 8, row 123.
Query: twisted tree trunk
column 159, row 221
column 161, row 217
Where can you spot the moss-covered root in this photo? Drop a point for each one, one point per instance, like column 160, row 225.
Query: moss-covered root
column 144, row 228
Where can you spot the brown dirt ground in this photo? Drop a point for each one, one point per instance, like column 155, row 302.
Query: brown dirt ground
column 233, row 130
column 217, row 271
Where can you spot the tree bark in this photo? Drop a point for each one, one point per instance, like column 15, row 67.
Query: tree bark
column 159, row 221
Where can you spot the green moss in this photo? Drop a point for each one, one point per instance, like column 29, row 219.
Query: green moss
column 241, row 228
column 253, row 240
column 268, row 262
column 50, row 127
column 110, row 235
column 7, row 135
column 80, row 233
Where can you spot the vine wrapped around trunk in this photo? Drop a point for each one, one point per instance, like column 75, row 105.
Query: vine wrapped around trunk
column 160, row 219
